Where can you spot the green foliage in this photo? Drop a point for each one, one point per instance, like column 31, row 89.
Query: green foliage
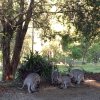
column 85, row 17
column 66, row 39
column 76, row 52
column 94, row 53
column 89, row 67
column 53, row 52
column 88, row 20
column 35, row 63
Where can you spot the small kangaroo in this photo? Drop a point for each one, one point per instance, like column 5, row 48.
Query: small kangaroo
column 54, row 76
column 64, row 81
column 77, row 75
column 31, row 81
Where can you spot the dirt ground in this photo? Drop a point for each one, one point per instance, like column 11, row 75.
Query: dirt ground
column 90, row 90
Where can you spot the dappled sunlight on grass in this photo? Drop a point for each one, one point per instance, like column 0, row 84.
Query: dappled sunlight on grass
column 89, row 67
column 0, row 72
column 93, row 83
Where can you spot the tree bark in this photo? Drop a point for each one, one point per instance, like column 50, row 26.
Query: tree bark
column 10, row 63
column 21, row 32
column 7, row 69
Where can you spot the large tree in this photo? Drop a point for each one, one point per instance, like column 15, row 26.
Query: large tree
column 15, row 17
column 84, row 14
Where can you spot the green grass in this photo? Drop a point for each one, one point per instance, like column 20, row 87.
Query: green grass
column 95, row 68
column 90, row 67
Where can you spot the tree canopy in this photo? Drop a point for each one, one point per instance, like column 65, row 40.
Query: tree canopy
column 73, row 21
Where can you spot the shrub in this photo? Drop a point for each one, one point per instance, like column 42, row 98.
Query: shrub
column 35, row 63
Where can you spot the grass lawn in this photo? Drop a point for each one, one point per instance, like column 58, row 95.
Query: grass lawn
column 95, row 68
column 89, row 67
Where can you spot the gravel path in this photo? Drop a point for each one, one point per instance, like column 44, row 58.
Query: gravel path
column 82, row 92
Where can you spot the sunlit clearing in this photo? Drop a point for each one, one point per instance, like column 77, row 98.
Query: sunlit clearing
column 92, row 83
column 88, row 80
column 72, row 30
column 57, row 27
column 38, row 47
column 76, row 43
column 53, row 9
column 52, row 1
column 37, row 40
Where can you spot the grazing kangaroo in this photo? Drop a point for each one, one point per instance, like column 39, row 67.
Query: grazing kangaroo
column 31, row 81
column 64, row 81
column 77, row 75
column 54, row 77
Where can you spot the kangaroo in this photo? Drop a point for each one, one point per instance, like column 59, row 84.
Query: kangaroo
column 64, row 81
column 31, row 81
column 77, row 75
column 54, row 76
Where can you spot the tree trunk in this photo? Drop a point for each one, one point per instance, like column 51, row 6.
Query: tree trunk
column 7, row 69
column 10, row 64
column 17, row 50
column 85, row 51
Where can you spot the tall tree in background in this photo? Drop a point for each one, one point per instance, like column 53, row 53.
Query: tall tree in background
column 84, row 14
column 15, row 17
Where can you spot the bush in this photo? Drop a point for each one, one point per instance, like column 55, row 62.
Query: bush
column 35, row 63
